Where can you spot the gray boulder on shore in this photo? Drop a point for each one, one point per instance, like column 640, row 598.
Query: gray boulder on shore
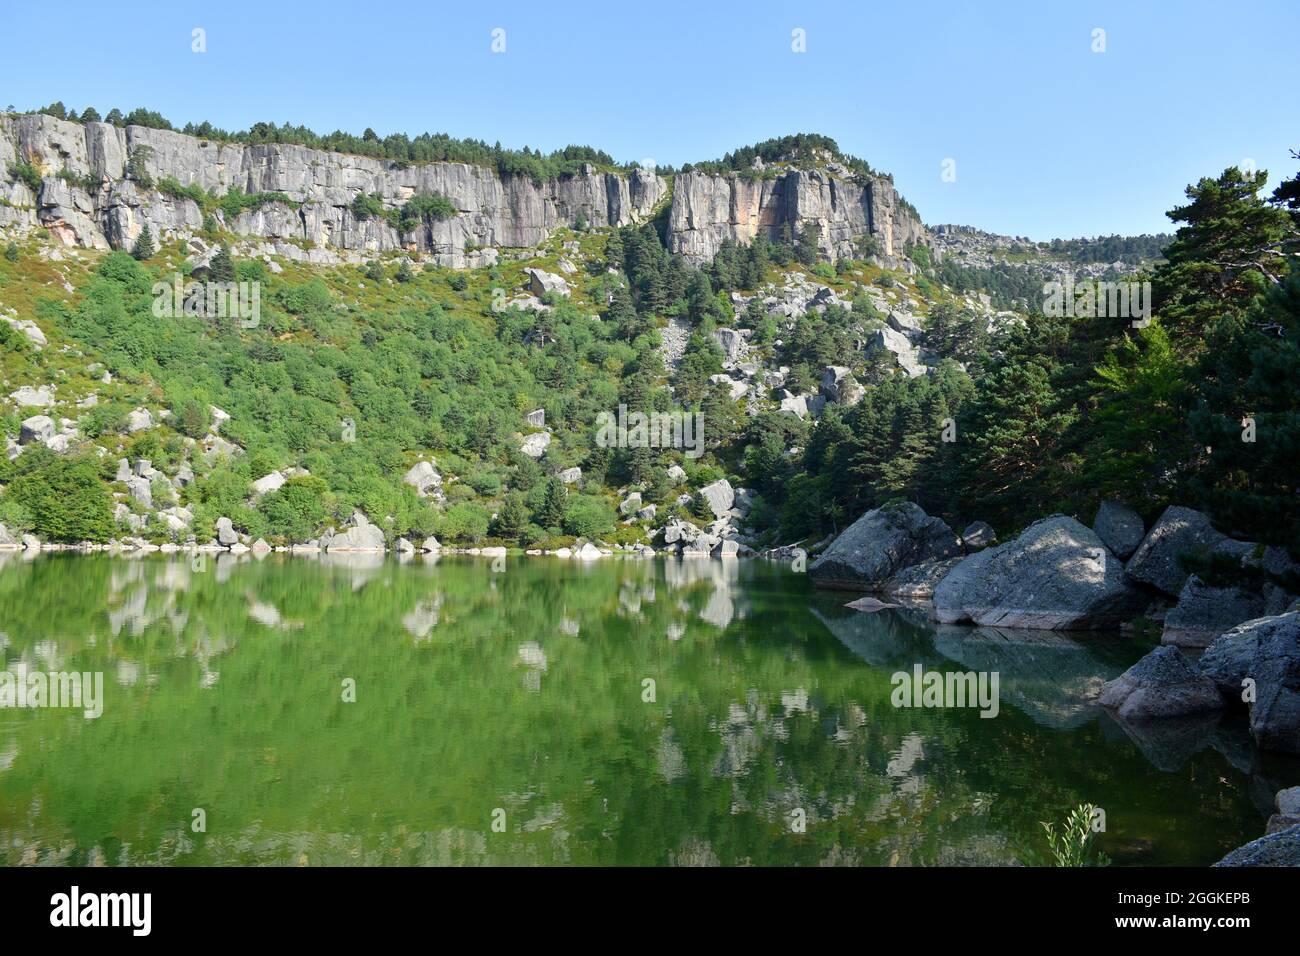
column 880, row 544
column 1276, row 849
column 1056, row 576
column 1204, row 612
column 1119, row 527
column 1162, row 684
column 1267, row 652
column 1178, row 531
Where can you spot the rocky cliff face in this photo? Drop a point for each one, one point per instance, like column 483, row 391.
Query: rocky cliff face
column 94, row 203
column 86, row 198
column 708, row 209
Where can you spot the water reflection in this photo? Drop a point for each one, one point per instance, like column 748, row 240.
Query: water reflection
column 674, row 712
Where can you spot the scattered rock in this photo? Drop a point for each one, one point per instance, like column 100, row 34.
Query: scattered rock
column 226, row 534
column 869, row 604
column 266, row 484
column 139, row 420
column 1204, row 612
column 38, row 428
column 535, row 445
column 424, row 478
column 28, row 397
column 920, row 580
column 541, row 282
column 362, row 536
column 1266, row 652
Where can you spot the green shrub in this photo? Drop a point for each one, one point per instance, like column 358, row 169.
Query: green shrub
column 367, row 206
column 26, row 173
column 298, row 509
column 588, row 516
column 65, row 497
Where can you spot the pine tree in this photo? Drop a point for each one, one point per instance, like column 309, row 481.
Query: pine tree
column 555, row 501
column 808, row 250
column 1248, row 420
column 511, row 519
column 1228, row 252
column 222, row 267
column 144, row 247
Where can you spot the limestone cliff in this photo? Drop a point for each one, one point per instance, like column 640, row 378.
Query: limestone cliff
column 708, row 209
column 86, row 197
column 94, row 203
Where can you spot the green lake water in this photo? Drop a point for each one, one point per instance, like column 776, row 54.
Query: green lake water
column 524, row 697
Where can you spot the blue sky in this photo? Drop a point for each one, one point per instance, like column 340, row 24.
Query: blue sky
column 1049, row 138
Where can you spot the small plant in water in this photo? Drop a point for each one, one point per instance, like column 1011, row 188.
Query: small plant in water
column 1072, row 844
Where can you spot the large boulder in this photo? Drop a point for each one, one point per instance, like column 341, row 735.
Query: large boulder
column 1178, row 531
column 535, row 445
column 978, row 534
column 1162, row 684
column 920, row 580
column 139, row 420
column 38, row 428
column 541, row 282
column 424, row 478
column 1204, row 612
column 1119, row 527
column 1276, row 849
column 719, row 496
column 1267, row 652
column 267, row 484
column 362, row 536
column 226, row 534
column 1056, row 576
column 880, row 544
column 1275, row 714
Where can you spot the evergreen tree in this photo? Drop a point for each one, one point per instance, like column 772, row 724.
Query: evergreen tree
column 1248, row 420
column 1228, row 252
column 222, row 267
column 555, row 502
column 808, row 250
column 144, row 247
column 511, row 519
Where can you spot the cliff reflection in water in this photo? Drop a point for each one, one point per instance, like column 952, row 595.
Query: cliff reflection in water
column 619, row 712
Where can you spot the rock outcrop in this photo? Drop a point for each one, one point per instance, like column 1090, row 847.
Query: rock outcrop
column 1204, row 612
column 880, row 544
column 1263, row 654
column 1276, row 849
column 1056, row 576
column 1162, row 684
column 708, row 209
column 362, row 536
column 1178, row 531
column 96, row 204
column 1119, row 527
